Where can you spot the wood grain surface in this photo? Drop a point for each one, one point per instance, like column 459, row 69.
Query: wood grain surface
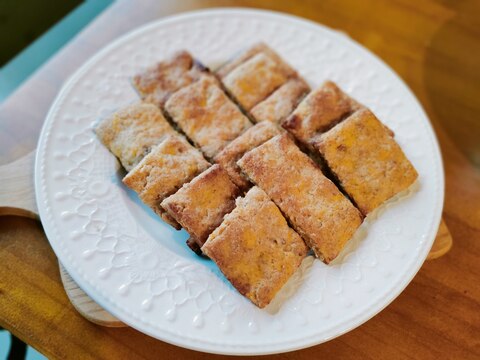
column 435, row 48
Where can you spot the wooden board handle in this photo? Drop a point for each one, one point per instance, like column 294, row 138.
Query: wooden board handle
column 17, row 193
column 17, row 197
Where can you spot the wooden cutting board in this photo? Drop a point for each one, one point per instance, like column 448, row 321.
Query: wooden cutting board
column 17, row 197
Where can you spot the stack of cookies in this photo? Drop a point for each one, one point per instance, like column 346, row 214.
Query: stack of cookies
column 256, row 167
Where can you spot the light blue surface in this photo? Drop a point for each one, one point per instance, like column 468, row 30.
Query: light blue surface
column 4, row 344
column 23, row 65
column 33, row 354
column 30, row 59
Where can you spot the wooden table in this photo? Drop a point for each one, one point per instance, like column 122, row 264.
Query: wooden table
column 434, row 46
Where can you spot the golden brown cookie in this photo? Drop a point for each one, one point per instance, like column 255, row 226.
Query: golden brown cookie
column 200, row 205
column 159, row 82
column 281, row 102
column 130, row 133
column 255, row 248
column 164, row 170
column 207, row 116
column 250, row 139
column 314, row 206
column 319, row 111
column 251, row 52
column 254, row 80
column 367, row 161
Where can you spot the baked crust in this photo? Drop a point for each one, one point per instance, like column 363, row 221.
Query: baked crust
column 163, row 171
column 130, row 133
column 367, row 161
column 281, row 102
column 159, row 82
column 207, row 116
column 250, row 139
column 319, row 111
column 314, row 206
column 255, row 248
column 251, row 52
column 199, row 206
column 254, row 80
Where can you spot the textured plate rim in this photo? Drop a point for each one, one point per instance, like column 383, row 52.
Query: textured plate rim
column 51, row 231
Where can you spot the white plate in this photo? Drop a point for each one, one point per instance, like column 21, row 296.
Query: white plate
column 139, row 268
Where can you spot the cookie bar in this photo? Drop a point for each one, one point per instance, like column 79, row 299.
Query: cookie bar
column 163, row 171
column 251, row 52
column 131, row 132
column 159, row 82
column 200, row 205
column 250, row 139
column 319, row 111
column 207, row 116
column 369, row 164
column 281, row 102
column 314, row 206
column 255, row 248
column 254, row 80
